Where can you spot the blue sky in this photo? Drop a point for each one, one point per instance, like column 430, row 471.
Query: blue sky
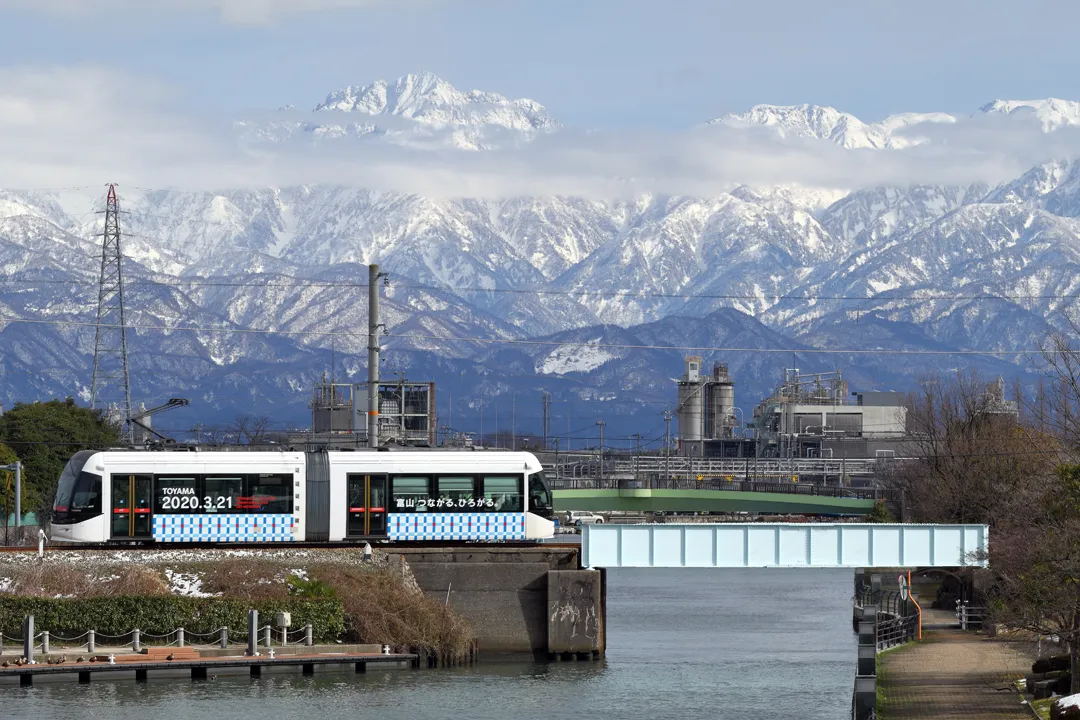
column 597, row 63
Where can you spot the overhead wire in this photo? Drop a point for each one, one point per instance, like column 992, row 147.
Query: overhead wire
column 300, row 283
column 544, row 343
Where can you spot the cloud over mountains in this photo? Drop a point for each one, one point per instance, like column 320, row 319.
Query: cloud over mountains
column 77, row 125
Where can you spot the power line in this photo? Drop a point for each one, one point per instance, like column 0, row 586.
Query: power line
column 545, row 343
column 292, row 283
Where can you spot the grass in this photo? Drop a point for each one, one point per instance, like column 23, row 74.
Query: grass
column 381, row 609
column 881, row 701
column 70, row 581
column 1042, row 707
column 381, row 605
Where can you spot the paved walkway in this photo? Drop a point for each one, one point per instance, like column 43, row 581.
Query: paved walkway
column 951, row 675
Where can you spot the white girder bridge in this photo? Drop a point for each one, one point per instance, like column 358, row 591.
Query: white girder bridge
column 784, row 545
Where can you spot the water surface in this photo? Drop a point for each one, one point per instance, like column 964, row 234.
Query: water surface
column 738, row 644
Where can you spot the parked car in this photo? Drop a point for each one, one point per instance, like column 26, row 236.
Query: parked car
column 577, row 518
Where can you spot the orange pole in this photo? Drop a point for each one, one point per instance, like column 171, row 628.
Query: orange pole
column 918, row 632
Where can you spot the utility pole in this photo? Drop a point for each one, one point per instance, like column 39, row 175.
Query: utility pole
column 556, row 458
column 601, row 423
column 17, row 468
column 513, row 422
column 373, row 354
column 110, row 337
column 667, row 444
column 546, row 399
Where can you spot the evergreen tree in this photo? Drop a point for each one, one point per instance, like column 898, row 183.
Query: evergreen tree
column 44, row 435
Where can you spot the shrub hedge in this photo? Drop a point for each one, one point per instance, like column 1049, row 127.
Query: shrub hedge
column 157, row 615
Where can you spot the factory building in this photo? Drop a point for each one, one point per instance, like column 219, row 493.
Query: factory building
column 808, row 415
column 813, row 415
column 339, row 414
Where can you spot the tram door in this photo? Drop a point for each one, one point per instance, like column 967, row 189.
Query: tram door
column 131, row 505
column 367, row 505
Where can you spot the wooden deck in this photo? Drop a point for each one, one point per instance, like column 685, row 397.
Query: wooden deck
column 199, row 667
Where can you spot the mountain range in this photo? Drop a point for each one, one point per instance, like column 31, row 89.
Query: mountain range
column 242, row 298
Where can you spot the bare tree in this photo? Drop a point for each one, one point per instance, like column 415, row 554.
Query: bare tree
column 1057, row 408
column 249, row 429
column 1016, row 472
column 1035, row 560
column 973, row 454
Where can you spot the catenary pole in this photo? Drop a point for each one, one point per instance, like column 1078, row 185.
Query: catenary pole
column 373, row 356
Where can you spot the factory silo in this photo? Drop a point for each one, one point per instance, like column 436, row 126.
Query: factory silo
column 721, row 403
column 691, row 408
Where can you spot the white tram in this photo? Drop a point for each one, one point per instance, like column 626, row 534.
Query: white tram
column 271, row 497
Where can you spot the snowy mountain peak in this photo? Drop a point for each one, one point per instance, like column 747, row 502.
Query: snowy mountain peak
column 427, row 98
column 1053, row 113
column 813, row 121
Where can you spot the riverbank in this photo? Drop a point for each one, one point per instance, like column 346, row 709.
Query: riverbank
column 344, row 596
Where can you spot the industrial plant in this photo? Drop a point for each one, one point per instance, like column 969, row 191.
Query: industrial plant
column 339, row 414
column 808, row 415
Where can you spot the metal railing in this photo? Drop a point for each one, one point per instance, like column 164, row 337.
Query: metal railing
column 45, row 641
column 893, row 631
column 891, row 602
column 722, row 484
column 575, row 465
column 897, row 617
column 971, row 617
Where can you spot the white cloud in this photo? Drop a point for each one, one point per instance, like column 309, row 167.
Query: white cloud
column 243, row 12
column 87, row 126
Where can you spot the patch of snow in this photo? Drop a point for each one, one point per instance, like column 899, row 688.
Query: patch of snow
column 1069, row 701
column 580, row 358
column 186, row 584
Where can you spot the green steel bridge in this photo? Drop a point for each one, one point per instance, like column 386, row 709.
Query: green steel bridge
column 712, row 495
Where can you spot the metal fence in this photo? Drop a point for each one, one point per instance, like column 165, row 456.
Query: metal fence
column 970, row 617
column 713, row 483
column 893, row 631
column 589, row 465
column 45, row 641
column 894, row 621
column 897, row 617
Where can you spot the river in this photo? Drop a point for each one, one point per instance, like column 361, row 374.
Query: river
column 738, row 644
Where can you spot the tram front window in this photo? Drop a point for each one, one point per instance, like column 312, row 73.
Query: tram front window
column 78, row 494
column 540, row 496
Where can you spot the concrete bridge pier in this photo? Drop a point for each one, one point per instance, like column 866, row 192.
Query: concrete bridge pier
column 535, row 602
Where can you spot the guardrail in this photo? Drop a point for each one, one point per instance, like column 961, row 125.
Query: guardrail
column 883, row 619
column 971, row 617
column 44, row 641
column 712, row 483
column 588, row 465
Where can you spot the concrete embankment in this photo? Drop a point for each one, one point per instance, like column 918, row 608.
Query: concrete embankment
column 532, row 601
column 525, row 601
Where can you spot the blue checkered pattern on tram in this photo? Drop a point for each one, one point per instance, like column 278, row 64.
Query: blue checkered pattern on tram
column 223, row 528
column 456, row 526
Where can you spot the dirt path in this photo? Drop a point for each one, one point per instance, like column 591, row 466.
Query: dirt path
column 952, row 674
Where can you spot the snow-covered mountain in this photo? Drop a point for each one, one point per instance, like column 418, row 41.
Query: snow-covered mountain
column 420, row 110
column 1051, row 112
column 241, row 298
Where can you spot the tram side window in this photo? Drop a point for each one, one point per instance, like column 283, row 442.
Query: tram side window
column 268, row 494
column 502, row 493
column 411, row 494
column 456, row 492
column 176, row 495
column 222, row 494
